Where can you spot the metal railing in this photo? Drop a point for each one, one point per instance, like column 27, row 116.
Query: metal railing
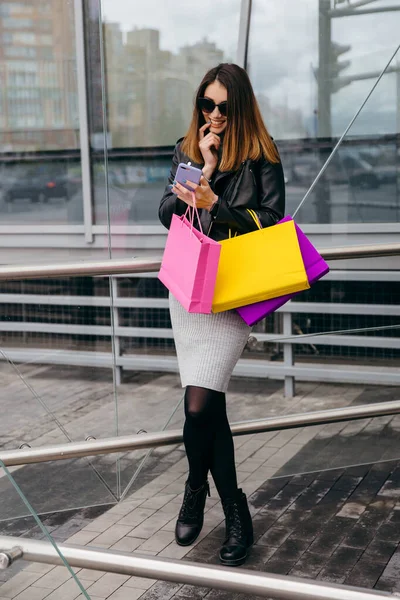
column 167, row 438
column 286, row 370
column 130, row 357
column 148, row 265
column 234, row 580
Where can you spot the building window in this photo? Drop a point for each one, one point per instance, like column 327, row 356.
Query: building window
column 20, row 52
column 45, row 40
column 15, row 8
column 46, row 52
column 6, row 38
column 22, row 79
column 24, row 38
column 10, row 23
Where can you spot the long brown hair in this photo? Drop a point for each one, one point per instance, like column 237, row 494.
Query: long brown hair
column 246, row 135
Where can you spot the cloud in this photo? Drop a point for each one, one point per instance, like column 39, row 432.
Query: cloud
column 283, row 48
column 180, row 23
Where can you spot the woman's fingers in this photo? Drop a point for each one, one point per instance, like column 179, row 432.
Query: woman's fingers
column 202, row 130
column 193, row 186
column 211, row 139
column 202, row 193
column 183, row 193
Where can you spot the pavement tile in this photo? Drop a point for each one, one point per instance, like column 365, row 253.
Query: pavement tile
column 126, row 593
column 161, row 589
column 18, row 584
column 309, row 565
column 158, row 501
column 68, row 590
column 170, row 526
column 90, row 574
column 250, row 465
column 339, row 564
column 102, row 523
column 140, row 583
column 111, row 536
column 125, row 507
column 53, row 578
column 82, row 538
column 172, row 508
column 39, row 568
column 127, row 544
column 107, row 585
column 366, row 572
column 174, row 551
column 33, row 593
column 150, row 526
column 157, row 542
column 136, row 516
column 192, row 592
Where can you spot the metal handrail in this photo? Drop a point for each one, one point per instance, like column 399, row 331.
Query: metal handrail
column 165, row 438
column 235, row 580
column 151, row 265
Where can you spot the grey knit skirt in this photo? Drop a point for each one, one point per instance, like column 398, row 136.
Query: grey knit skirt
column 208, row 346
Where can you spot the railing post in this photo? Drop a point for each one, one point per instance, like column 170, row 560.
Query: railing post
column 288, row 360
column 117, row 341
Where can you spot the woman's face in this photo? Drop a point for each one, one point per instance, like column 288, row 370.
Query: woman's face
column 217, row 92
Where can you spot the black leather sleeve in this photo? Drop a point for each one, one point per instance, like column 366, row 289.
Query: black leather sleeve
column 170, row 203
column 270, row 201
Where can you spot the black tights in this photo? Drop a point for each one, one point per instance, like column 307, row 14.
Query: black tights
column 208, row 440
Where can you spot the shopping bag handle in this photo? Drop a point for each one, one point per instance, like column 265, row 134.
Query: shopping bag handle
column 255, row 217
column 192, row 213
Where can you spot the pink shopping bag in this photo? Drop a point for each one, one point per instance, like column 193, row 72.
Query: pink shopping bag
column 315, row 267
column 190, row 263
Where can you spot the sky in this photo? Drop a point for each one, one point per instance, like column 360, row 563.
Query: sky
column 283, row 51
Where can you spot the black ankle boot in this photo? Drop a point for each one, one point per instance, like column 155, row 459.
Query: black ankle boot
column 239, row 530
column 191, row 515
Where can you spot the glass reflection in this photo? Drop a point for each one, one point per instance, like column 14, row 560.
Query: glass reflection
column 39, row 121
column 310, row 89
column 155, row 55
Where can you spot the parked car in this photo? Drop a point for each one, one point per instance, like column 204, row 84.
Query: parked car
column 36, row 184
column 344, row 168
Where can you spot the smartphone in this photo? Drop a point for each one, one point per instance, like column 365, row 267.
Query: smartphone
column 188, row 173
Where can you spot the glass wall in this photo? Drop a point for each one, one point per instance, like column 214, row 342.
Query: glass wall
column 155, row 57
column 39, row 120
column 313, row 64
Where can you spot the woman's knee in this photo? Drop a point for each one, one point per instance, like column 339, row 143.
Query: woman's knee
column 199, row 404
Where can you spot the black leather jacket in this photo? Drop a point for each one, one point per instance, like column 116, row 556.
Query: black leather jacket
column 258, row 185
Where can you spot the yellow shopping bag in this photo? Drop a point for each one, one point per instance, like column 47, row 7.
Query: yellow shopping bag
column 258, row 266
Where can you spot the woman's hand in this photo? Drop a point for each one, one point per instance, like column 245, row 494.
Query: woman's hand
column 205, row 197
column 208, row 145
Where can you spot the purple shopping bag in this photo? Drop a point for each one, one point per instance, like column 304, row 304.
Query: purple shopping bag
column 315, row 267
column 189, row 265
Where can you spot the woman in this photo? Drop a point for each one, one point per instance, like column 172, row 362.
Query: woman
column 241, row 168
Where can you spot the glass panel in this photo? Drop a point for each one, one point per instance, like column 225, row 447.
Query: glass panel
column 310, row 89
column 39, row 121
column 359, row 185
column 43, row 577
column 46, row 405
column 57, row 333
column 343, row 338
column 153, row 61
column 155, row 57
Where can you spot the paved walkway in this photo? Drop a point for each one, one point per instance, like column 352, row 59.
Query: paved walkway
column 333, row 523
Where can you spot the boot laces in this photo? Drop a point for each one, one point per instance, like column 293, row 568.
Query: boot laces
column 233, row 520
column 191, row 504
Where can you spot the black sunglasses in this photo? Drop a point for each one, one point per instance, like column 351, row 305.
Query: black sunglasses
column 207, row 105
